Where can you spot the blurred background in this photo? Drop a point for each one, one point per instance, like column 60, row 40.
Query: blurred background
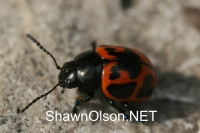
column 167, row 32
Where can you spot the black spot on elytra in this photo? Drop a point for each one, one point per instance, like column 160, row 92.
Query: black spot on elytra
column 132, row 68
column 127, row 54
column 146, row 89
column 114, row 75
column 127, row 60
column 122, row 91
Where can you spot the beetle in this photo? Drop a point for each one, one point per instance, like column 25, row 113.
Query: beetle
column 123, row 74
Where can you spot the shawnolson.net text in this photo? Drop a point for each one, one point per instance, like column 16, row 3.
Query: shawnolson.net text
column 141, row 115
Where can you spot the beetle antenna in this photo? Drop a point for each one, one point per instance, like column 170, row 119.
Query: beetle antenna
column 41, row 47
column 36, row 99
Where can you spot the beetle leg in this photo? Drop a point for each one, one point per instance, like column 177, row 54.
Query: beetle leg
column 81, row 99
column 63, row 90
column 134, row 111
column 93, row 44
column 112, row 103
column 126, row 105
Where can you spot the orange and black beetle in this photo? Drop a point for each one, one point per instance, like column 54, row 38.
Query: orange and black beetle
column 123, row 74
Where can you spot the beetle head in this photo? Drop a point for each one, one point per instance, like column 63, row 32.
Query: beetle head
column 67, row 77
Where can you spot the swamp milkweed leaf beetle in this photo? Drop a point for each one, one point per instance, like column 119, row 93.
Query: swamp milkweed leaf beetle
column 123, row 74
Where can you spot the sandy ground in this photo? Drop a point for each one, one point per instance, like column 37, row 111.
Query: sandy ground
column 166, row 31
